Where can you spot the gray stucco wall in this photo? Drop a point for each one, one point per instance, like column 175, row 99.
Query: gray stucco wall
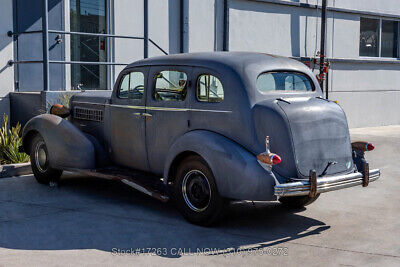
column 368, row 92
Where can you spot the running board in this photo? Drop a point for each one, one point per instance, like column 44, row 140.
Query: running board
column 141, row 181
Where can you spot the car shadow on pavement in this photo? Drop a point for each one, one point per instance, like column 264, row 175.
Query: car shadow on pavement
column 90, row 213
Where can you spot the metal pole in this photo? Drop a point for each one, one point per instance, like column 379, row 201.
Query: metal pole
column 146, row 28
column 322, row 49
column 181, row 25
column 45, row 39
column 225, row 41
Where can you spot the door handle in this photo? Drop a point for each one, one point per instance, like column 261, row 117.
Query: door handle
column 142, row 114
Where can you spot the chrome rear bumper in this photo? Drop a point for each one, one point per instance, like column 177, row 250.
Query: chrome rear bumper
column 324, row 184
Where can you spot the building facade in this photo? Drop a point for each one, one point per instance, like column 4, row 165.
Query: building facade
column 362, row 44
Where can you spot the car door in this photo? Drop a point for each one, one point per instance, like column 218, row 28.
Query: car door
column 167, row 104
column 127, row 120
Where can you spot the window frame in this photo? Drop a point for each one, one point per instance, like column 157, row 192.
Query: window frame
column 380, row 19
column 120, row 84
column 129, row 84
column 313, row 89
column 153, row 94
column 197, row 88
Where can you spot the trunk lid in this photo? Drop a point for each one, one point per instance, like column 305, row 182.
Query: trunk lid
column 320, row 135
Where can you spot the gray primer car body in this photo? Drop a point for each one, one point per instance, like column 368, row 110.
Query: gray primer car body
column 306, row 130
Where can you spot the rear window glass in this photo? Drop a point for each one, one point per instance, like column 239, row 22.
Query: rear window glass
column 283, row 81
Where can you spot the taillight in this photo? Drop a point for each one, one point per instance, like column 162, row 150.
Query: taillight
column 270, row 158
column 362, row 146
column 370, row 147
column 267, row 159
column 276, row 159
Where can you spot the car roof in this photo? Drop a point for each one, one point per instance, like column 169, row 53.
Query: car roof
column 240, row 68
column 232, row 60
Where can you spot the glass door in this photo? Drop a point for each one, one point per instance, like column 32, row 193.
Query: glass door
column 88, row 16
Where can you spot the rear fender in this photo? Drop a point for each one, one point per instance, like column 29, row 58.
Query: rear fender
column 68, row 147
column 236, row 171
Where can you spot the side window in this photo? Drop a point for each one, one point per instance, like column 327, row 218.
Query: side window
column 132, row 86
column 209, row 89
column 136, row 85
column 170, row 85
column 124, row 87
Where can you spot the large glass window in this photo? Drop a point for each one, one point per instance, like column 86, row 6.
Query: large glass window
column 170, row 85
column 369, row 37
column 132, row 86
column 88, row 16
column 209, row 89
column 283, row 81
column 390, row 33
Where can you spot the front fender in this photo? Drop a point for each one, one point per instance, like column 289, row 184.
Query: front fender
column 237, row 172
column 68, row 147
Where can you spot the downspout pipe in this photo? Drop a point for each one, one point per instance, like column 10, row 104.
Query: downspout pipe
column 146, row 28
column 181, row 26
column 322, row 48
column 45, row 40
column 225, row 44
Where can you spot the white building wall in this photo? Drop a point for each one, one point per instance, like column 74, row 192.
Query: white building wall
column 128, row 20
column 163, row 27
column 201, row 24
column 368, row 92
column 6, row 54
column 159, row 25
column 276, row 29
column 380, row 6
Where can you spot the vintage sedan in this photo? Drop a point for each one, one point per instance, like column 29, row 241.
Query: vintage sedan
column 204, row 129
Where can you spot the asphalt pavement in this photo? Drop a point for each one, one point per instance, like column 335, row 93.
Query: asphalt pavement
column 89, row 221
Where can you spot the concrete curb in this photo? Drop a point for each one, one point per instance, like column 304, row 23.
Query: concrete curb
column 18, row 169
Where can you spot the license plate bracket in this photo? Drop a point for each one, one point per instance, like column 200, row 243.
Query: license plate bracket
column 313, row 183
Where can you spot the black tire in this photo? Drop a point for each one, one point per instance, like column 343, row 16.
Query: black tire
column 298, row 201
column 195, row 192
column 40, row 162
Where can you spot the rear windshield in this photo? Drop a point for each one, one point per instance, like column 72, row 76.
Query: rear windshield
column 283, row 81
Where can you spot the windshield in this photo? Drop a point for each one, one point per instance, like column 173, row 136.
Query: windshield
column 283, row 81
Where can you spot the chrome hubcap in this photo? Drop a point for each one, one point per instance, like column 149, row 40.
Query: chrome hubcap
column 41, row 161
column 196, row 190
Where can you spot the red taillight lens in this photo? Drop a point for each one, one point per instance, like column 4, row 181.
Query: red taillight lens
column 276, row 159
column 370, row 147
column 269, row 158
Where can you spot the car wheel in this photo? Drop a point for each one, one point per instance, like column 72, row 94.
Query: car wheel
column 298, row 201
column 196, row 194
column 40, row 162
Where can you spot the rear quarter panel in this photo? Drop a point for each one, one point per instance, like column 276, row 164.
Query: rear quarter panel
column 236, row 171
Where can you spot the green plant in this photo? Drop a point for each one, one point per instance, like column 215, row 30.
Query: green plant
column 9, row 143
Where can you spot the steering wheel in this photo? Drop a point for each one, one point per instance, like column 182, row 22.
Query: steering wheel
column 136, row 89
